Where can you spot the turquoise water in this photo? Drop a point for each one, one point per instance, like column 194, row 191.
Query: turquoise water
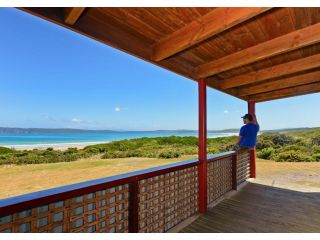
column 30, row 139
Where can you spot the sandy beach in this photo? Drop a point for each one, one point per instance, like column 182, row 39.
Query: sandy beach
column 56, row 146
column 80, row 145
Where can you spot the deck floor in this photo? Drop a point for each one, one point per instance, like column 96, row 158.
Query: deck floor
column 262, row 208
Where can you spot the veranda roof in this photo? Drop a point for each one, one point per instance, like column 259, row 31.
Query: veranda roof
column 255, row 54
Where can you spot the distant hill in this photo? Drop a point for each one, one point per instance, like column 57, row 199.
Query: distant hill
column 7, row 130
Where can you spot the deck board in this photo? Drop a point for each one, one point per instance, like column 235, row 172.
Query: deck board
column 262, row 208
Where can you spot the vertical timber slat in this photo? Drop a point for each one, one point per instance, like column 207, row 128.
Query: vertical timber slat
column 234, row 172
column 134, row 207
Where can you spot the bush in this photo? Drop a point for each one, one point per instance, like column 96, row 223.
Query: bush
column 299, row 148
column 282, row 139
column 292, row 156
column 4, row 150
column 316, row 140
column 262, row 143
column 114, row 154
column 265, row 153
column 169, row 154
column 316, row 157
column 212, row 150
column 316, row 149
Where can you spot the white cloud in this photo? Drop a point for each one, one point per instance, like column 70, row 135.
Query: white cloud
column 226, row 111
column 117, row 109
column 76, row 120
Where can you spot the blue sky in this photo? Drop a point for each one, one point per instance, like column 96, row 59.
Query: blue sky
column 53, row 77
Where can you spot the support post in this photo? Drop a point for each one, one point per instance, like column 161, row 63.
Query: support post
column 202, row 169
column 252, row 111
column 133, row 207
column 234, row 172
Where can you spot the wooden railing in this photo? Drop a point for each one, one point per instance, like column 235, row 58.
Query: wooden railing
column 151, row 200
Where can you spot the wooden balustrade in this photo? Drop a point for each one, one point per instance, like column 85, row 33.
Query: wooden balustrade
column 219, row 176
column 151, row 200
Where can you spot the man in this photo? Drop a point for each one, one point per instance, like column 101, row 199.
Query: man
column 248, row 133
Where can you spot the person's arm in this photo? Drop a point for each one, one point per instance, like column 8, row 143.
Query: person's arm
column 241, row 134
column 239, row 140
column 255, row 120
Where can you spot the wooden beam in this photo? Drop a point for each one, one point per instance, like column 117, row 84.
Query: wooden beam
column 213, row 23
column 72, row 14
column 291, row 41
column 271, row 72
column 287, row 92
column 281, row 83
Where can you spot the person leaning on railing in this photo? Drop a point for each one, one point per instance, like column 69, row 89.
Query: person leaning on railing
column 248, row 133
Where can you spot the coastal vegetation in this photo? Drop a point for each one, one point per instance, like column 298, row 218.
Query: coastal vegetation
column 290, row 146
column 160, row 147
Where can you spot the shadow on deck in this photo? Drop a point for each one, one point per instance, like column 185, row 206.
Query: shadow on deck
column 262, row 208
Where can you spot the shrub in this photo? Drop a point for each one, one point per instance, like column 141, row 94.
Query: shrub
column 265, row 153
column 292, row 156
column 316, row 149
column 4, row 150
column 169, row 154
column 114, row 154
column 299, row 148
column 316, row 157
column 316, row 140
column 302, row 142
column 282, row 139
column 212, row 150
column 190, row 150
column 70, row 151
column 261, row 144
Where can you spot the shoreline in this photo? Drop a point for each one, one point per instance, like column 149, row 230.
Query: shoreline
column 56, row 146
column 79, row 145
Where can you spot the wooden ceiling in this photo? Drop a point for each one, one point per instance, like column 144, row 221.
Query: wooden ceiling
column 255, row 54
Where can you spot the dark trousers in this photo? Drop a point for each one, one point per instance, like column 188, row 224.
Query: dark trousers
column 240, row 147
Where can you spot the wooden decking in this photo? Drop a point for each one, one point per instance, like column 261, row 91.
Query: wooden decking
column 262, row 208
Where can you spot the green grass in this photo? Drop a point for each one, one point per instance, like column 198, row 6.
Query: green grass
column 21, row 179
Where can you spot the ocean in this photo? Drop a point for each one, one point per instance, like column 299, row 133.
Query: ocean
column 43, row 140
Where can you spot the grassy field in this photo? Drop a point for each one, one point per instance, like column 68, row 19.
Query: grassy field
column 21, row 179
column 293, row 158
column 34, row 177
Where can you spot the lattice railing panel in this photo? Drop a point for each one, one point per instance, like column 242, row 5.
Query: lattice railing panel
column 219, row 178
column 243, row 166
column 101, row 211
column 156, row 200
column 167, row 199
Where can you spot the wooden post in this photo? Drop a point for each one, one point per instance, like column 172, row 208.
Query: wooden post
column 234, row 172
column 202, row 169
column 133, row 207
column 252, row 111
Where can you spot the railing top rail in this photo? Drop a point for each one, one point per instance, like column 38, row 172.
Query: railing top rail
column 214, row 157
column 30, row 200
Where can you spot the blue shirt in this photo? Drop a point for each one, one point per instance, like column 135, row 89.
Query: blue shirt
column 249, row 135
